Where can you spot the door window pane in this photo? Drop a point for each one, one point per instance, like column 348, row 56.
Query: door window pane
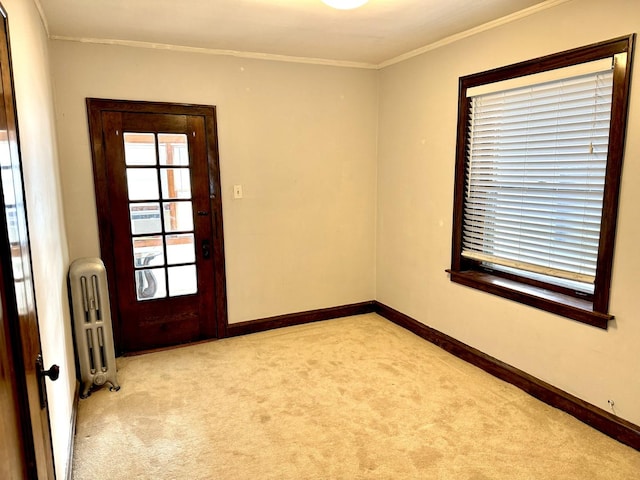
column 182, row 280
column 173, row 149
column 176, row 183
column 148, row 251
column 145, row 218
column 178, row 216
column 139, row 149
column 150, row 284
column 142, row 184
column 180, row 249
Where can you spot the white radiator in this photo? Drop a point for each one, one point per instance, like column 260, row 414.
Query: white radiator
column 92, row 324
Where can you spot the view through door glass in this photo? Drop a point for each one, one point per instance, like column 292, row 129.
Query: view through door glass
column 161, row 211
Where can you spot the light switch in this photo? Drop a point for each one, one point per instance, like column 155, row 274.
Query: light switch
column 237, row 191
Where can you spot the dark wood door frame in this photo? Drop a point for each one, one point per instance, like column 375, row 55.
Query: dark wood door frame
column 95, row 109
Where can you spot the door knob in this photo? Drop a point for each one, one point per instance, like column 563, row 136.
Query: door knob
column 53, row 373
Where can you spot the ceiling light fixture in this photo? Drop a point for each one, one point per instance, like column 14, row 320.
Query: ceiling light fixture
column 345, row 4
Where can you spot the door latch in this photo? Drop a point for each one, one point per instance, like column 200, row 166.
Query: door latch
column 53, row 373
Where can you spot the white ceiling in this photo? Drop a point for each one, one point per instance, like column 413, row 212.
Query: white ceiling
column 374, row 34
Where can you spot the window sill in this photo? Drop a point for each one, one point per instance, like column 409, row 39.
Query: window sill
column 565, row 305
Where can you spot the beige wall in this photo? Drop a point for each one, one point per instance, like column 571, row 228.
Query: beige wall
column 418, row 102
column 301, row 139
column 34, row 104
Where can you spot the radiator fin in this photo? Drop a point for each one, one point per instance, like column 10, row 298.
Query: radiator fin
column 96, row 296
column 92, row 362
column 85, row 298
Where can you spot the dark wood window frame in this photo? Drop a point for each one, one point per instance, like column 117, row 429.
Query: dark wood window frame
column 590, row 309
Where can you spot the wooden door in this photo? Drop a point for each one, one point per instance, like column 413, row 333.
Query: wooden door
column 26, row 438
column 161, row 212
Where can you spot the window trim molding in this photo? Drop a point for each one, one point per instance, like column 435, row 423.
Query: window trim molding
column 593, row 311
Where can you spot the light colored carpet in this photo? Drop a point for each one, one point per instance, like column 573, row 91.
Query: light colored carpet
column 352, row 398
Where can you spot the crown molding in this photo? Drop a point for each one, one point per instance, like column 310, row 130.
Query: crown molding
column 473, row 31
column 213, row 51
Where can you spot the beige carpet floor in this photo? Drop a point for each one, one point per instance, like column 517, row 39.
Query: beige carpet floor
column 352, row 398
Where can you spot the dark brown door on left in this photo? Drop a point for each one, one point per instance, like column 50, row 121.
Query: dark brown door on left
column 25, row 437
column 163, row 213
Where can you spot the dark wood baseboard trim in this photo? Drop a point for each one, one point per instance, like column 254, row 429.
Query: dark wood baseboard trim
column 260, row 325
column 617, row 428
column 72, row 437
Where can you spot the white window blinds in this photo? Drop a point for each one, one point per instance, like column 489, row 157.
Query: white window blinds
column 536, row 161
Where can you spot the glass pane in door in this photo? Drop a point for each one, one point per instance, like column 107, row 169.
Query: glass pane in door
column 140, row 149
column 181, row 249
column 178, row 216
column 148, row 251
column 173, row 149
column 145, row 218
column 176, row 183
column 150, row 284
column 182, row 280
column 142, row 184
